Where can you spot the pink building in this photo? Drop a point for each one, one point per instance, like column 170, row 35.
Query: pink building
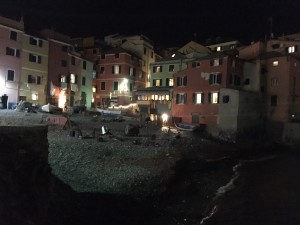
column 11, row 33
column 119, row 74
column 196, row 92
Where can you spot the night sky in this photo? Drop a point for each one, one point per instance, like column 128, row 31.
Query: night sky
column 168, row 23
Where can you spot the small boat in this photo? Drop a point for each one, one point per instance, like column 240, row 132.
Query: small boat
column 185, row 126
column 109, row 112
column 48, row 108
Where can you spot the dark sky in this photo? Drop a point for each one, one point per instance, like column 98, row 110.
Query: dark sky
column 166, row 22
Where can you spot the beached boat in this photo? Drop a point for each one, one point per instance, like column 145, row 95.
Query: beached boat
column 48, row 108
column 109, row 112
column 185, row 126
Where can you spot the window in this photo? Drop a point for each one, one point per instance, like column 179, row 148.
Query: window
column 131, row 87
column 102, row 56
column 116, row 69
column 182, row 81
column 73, row 60
column 215, row 78
column 83, row 81
column 64, row 63
column 12, row 52
column 35, row 97
column 275, row 63
column 35, row 41
column 145, row 51
column 10, row 75
column 216, row 62
column 157, row 69
column 73, row 78
column 247, row 81
column 64, row 48
column 130, row 71
column 117, row 55
column 63, row 79
column 157, row 82
column 195, row 64
column 84, row 65
column 274, row 81
column 94, row 88
column 116, row 85
column 170, row 82
column 151, row 54
column 102, row 69
column 225, row 98
column 292, row 49
column 218, row 49
column 181, row 98
column 102, row 86
column 213, row 98
column 198, row 98
column 13, row 35
column 35, row 58
column 235, row 80
column 171, row 68
column 273, row 100
column 31, row 79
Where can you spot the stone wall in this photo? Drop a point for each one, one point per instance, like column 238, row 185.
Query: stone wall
column 25, row 175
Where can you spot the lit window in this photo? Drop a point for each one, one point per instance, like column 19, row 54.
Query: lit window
column 34, row 97
column 157, row 69
column 198, row 98
column 116, row 69
column 213, row 97
column 73, row 78
column 275, row 63
column 94, row 89
column 219, row 48
column 157, row 82
column 63, row 79
column 216, row 62
column 170, row 82
column 292, row 49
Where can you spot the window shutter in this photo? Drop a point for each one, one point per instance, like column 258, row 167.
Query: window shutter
column 218, row 97
column 219, row 78
column 211, row 77
column 119, row 69
column 113, row 69
column 194, row 98
column 185, row 98
column 185, row 81
column 177, row 98
column 160, row 82
column 38, row 81
column 39, row 59
column 76, row 78
column 68, row 78
column 153, row 83
column 29, row 79
column 18, row 53
column 209, row 97
column 41, row 43
column 59, row 78
column 178, row 81
column 220, row 61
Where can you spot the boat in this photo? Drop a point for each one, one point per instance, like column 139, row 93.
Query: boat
column 185, row 126
column 48, row 108
column 109, row 112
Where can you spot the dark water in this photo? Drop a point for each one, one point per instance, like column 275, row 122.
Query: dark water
column 266, row 192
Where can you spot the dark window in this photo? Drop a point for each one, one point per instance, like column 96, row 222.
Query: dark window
column 73, row 60
column 102, row 56
column 273, row 100
column 102, row 86
column 117, row 55
column 225, row 98
column 247, row 81
column 215, row 78
column 83, row 81
column 182, row 81
column 180, row 98
column 171, row 68
column 84, row 65
column 10, row 75
column 102, row 69
column 35, row 58
column 31, row 79
column 130, row 87
column 13, row 35
column 116, row 85
column 38, row 80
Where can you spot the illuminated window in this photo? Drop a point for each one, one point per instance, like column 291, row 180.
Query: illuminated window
column 116, row 69
column 216, row 62
column 213, row 97
column 170, row 82
column 292, row 49
column 219, row 48
column 198, row 98
column 94, row 89
column 157, row 82
column 275, row 63
column 34, row 97
column 63, row 79
column 73, row 78
column 157, row 69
